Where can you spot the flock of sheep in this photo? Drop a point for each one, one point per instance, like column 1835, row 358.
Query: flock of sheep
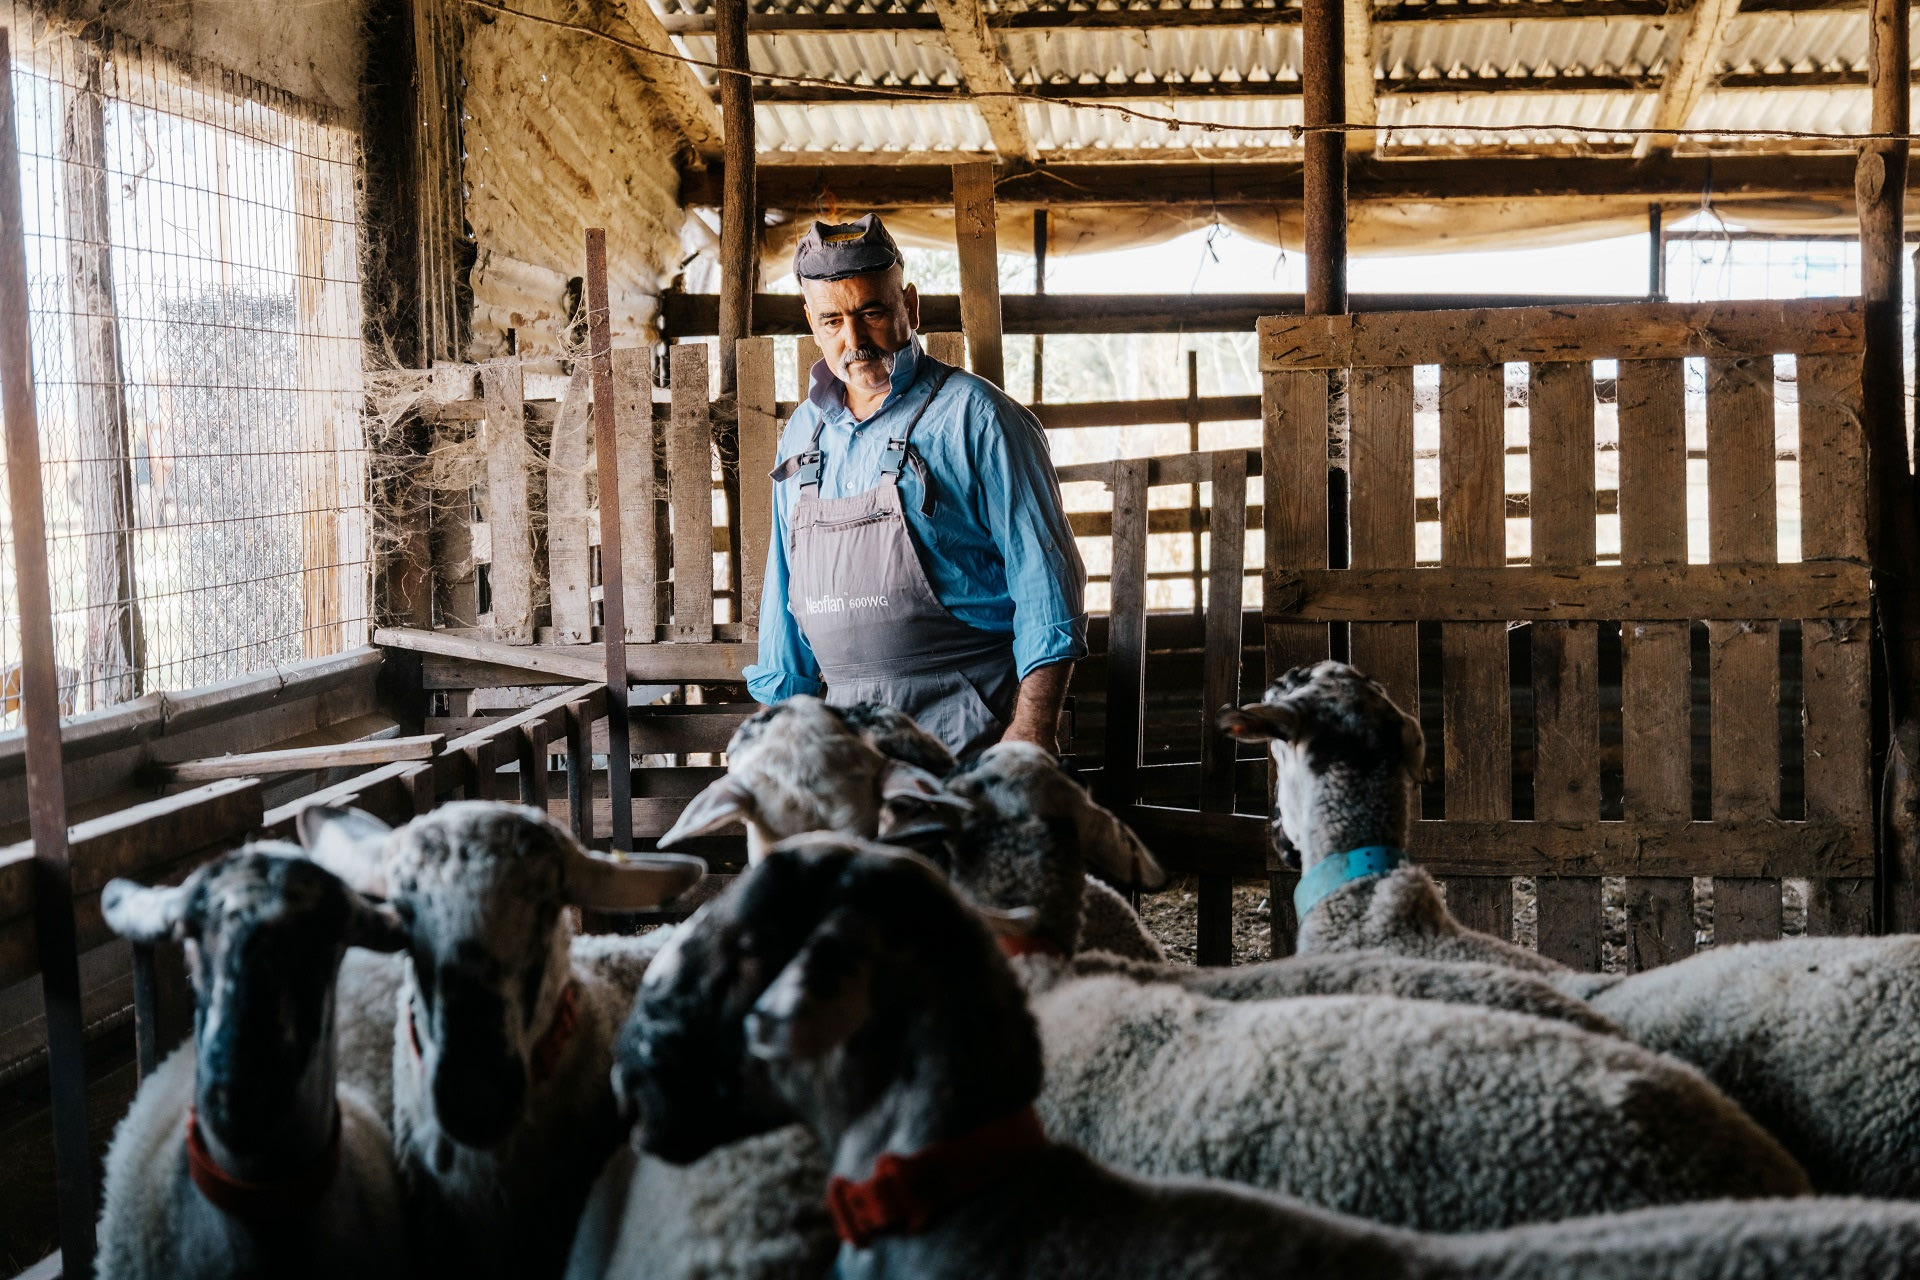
column 920, row 1038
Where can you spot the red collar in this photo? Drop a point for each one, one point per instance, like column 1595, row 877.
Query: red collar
column 906, row 1193
column 546, row 1054
column 1030, row 944
column 260, row 1201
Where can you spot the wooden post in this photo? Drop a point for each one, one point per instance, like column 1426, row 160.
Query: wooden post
column 690, row 484
column 979, row 241
column 53, row 923
column 738, row 211
column 1040, row 291
column 612, row 580
column 1323, row 102
column 1656, row 256
column 508, row 515
column 1880, row 184
column 115, row 662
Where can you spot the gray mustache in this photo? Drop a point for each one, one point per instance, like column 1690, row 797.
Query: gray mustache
column 865, row 353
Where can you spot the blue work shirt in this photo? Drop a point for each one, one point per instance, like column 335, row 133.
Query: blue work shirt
column 997, row 550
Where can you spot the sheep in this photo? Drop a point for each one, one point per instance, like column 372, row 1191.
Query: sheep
column 1345, row 759
column 1814, row 1037
column 1022, row 847
column 241, row 1155
column 879, row 1008
column 1318, row 1097
column 503, row 1111
column 869, row 770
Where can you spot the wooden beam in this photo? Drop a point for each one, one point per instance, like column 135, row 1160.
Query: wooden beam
column 1324, row 197
column 979, row 240
column 694, row 315
column 646, row 663
column 53, row 867
column 977, row 54
column 1622, row 331
column 739, row 215
column 1357, row 37
column 345, row 755
column 674, row 84
column 610, row 671
column 1693, row 56
column 1266, row 183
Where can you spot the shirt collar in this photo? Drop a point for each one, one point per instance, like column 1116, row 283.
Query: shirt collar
column 829, row 395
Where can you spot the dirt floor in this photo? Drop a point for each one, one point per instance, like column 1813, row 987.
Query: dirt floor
column 1173, row 913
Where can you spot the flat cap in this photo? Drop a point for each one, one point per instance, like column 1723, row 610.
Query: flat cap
column 836, row 250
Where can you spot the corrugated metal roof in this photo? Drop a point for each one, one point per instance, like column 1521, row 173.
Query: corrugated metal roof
column 1521, row 47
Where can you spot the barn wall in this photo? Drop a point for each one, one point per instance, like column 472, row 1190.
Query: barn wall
column 313, row 50
column 561, row 134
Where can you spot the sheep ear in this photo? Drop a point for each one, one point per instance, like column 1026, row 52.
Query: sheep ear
column 1413, row 746
column 1008, row 922
column 351, row 843
column 1113, row 849
column 1260, row 722
column 375, row 926
column 811, row 1008
column 628, row 881
column 144, row 915
column 723, row 803
column 903, row 781
column 915, row 805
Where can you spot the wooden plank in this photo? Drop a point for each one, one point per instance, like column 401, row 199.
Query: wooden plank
column 508, row 462
column 1126, row 635
column 807, row 355
column 1136, row 413
column 1381, row 510
column 1656, row 678
column 1220, row 684
column 639, row 489
column 1693, row 62
column 1566, row 655
column 1182, row 468
column 759, row 443
column 1745, row 673
column 533, row 744
column 1624, row 331
column 1835, row 658
column 345, row 755
column 569, row 562
column 951, row 348
column 679, row 730
column 1519, row 593
column 979, row 244
column 690, row 481
column 1293, row 471
column 1235, row 844
column 1474, row 680
column 456, row 589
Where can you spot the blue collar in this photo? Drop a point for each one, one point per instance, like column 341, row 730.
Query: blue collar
column 829, row 394
column 1329, row 874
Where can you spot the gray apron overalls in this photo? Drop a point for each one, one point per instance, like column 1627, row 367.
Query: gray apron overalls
column 860, row 594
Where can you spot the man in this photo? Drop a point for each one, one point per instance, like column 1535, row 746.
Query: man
column 920, row 556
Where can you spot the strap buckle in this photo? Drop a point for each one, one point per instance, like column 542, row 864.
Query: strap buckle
column 894, row 458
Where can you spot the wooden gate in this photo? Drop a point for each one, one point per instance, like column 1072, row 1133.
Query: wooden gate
column 1489, row 511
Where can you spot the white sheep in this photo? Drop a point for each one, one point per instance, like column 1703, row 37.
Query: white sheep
column 886, row 1017
column 1024, row 847
column 241, row 1155
column 869, row 770
column 1405, row 1111
column 1815, row 1037
column 502, row 1108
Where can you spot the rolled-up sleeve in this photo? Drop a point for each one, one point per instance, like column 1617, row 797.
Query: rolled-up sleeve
column 1019, row 502
column 786, row 664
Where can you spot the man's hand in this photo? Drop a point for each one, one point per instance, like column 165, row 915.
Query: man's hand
column 1036, row 713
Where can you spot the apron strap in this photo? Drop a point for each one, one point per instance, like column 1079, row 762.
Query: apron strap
column 805, row 464
column 900, row 451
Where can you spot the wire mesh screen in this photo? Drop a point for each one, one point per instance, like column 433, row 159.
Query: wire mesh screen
column 195, row 307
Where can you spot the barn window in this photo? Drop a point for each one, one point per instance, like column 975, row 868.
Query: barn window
column 195, row 308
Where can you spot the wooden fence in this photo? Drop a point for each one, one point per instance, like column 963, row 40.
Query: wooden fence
column 1320, row 370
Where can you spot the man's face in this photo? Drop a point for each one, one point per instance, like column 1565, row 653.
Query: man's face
column 860, row 322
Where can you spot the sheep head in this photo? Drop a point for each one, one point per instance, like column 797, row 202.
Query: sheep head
column 264, row 931
column 1344, row 754
column 481, row 886
column 797, row 989
column 800, row 766
column 1031, row 836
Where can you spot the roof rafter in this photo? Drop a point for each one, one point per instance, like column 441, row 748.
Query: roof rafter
column 686, row 100
column 977, row 54
column 1693, row 55
column 1358, row 79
